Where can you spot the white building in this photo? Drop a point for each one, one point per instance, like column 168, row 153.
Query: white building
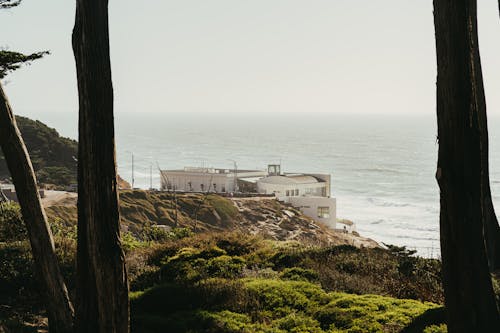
column 308, row 192
column 192, row 179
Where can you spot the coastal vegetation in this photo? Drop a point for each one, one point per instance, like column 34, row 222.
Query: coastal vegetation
column 235, row 282
column 54, row 158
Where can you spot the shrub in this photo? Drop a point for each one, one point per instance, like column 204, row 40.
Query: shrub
column 436, row 329
column 191, row 264
column 16, row 270
column 12, row 226
column 258, row 305
column 299, row 274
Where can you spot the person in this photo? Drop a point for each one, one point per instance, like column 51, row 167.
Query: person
column 345, row 230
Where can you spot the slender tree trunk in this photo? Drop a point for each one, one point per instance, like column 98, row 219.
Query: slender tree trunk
column 102, row 299
column 462, row 132
column 59, row 308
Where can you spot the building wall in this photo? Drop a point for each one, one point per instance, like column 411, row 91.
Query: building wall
column 327, row 178
column 313, row 189
column 201, row 181
column 309, row 206
column 197, row 182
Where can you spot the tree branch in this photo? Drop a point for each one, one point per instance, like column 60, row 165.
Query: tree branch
column 9, row 3
column 10, row 61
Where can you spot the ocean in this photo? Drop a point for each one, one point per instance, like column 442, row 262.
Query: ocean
column 382, row 166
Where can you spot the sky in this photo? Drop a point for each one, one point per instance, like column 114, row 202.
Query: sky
column 334, row 56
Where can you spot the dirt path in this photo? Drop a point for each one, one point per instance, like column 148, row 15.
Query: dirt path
column 61, row 198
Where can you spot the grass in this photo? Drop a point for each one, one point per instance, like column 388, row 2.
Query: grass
column 268, row 305
column 236, row 283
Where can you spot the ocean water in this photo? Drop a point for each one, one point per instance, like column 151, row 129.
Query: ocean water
column 382, row 166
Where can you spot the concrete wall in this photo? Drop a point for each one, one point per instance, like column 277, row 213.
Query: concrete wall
column 197, row 182
column 202, row 181
column 309, row 206
column 313, row 189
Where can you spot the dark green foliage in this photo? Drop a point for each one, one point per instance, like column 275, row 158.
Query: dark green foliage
column 240, row 283
column 262, row 305
column 10, row 61
column 12, row 226
column 189, row 265
column 153, row 233
column 53, row 157
column 9, row 3
column 16, row 271
column 341, row 268
column 299, row 274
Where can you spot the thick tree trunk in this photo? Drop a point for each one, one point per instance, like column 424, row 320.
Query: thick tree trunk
column 102, row 297
column 462, row 132
column 59, row 308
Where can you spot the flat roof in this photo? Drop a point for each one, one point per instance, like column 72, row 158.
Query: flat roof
column 211, row 170
column 295, row 179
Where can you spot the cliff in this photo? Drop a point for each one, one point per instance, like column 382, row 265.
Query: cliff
column 263, row 216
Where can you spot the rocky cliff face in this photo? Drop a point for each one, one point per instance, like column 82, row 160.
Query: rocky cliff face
column 213, row 213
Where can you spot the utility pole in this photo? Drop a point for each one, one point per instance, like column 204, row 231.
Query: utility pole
column 133, row 171
column 235, row 172
column 151, row 176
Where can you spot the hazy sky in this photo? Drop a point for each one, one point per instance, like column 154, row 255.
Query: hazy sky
column 247, row 56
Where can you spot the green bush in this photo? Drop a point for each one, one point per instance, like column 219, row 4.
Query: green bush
column 299, row 274
column 190, row 264
column 259, row 305
column 16, row 270
column 12, row 226
column 436, row 329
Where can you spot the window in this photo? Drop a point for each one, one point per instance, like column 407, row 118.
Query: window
column 287, row 193
column 324, row 212
column 296, row 192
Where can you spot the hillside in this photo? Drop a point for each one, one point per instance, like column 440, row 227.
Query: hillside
column 233, row 282
column 266, row 217
column 53, row 156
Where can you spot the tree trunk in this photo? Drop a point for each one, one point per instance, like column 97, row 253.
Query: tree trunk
column 59, row 308
column 462, row 133
column 102, row 287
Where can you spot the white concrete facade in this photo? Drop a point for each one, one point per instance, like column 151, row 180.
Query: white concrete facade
column 308, row 192
column 205, row 179
column 284, row 187
column 321, row 209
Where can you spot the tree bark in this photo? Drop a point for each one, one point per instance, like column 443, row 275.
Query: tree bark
column 59, row 308
column 102, row 286
column 462, row 168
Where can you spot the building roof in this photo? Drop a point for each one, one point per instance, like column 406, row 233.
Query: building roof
column 188, row 170
column 284, row 180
